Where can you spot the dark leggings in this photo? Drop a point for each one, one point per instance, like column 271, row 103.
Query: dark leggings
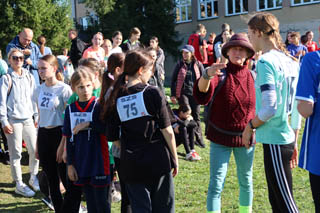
column 279, row 177
column 315, row 188
column 48, row 142
column 125, row 203
column 186, row 136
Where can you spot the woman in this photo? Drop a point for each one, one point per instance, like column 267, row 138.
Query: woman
column 116, row 42
column 96, row 51
column 133, row 42
column 277, row 74
column 311, row 45
column 229, row 113
column 185, row 74
column 42, row 46
column 307, row 94
column 147, row 140
column 16, row 113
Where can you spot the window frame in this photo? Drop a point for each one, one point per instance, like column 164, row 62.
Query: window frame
column 186, row 5
column 206, row 3
column 270, row 8
column 234, row 4
column 304, row 3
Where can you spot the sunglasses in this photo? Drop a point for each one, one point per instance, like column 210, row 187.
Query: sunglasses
column 16, row 58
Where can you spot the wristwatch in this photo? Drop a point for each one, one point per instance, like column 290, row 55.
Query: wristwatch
column 251, row 125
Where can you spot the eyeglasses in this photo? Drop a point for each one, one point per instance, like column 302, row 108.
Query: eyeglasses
column 16, row 58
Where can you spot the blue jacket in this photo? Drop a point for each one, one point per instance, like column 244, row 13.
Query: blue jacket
column 35, row 52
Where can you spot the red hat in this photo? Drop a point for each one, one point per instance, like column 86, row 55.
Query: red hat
column 238, row 40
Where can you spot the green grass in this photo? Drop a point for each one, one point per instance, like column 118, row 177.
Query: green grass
column 190, row 187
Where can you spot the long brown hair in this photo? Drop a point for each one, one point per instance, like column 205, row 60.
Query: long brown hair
column 108, row 80
column 134, row 60
column 42, row 41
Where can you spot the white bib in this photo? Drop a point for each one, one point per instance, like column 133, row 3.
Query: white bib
column 132, row 106
column 47, row 100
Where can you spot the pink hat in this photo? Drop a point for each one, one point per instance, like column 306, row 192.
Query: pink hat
column 238, row 40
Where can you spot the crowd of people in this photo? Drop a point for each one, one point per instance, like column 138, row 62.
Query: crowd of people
column 100, row 110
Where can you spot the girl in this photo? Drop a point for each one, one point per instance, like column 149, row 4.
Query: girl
column 116, row 42
column 87, row 147
column 133, row 42
column 311, row 45
column 115, row 69
column 147, row 139
column 185, row 74
column 157, row 77
column 51, row 98
column 277, row 74
column 16, row 112
column 307, row 95
column 96, row 51
column 42, row 46
column 154, row 44
column 229, row 113
column 218, row 46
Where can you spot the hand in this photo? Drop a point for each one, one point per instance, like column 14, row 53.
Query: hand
column 36, row 124
column 60, row 151
column 80, row 127
column 173, row 99
column 162, row 76
column 175, row 171
column 26, row 52
column 28, row 61
column 8, row 129
column 215, row 69
column 294, row 158
column 176, row 129
column 72, row 173
column 246, row 136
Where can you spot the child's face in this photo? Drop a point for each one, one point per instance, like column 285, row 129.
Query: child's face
column 84, row 89
column 184, row 115
column 146, row 74
column 153, row 54
column 295, row 40
column 46, row 70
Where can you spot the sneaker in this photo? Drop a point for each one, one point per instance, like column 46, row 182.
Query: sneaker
column 195, row 155
column 24, row 190
column 48, row 202
column 83, row 209
column 115, row 196
column 34, row 183
column 190, row 157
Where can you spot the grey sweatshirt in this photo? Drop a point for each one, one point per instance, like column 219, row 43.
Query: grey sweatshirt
column 18, row 105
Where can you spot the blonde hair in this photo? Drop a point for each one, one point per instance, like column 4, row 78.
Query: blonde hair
column 93, row 65
column 268, row 24
column 81, row 73
column 13, row 50
column 53, row 61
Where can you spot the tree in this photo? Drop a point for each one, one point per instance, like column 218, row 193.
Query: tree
column 50, row 18
column 152, row 17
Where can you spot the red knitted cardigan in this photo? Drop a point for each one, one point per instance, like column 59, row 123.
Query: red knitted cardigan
column 233, row 107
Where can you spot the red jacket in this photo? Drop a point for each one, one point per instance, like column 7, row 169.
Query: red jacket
column 194, row 40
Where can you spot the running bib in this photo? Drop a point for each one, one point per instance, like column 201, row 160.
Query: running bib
column 132, row 106
column 47, row 100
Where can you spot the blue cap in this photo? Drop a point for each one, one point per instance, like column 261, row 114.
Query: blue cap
column 188, row 48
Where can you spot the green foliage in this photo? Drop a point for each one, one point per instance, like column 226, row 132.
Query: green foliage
column 50, row 18
column 152, row 17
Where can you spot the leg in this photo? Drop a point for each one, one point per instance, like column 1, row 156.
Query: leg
column 15, row 149
column 315, row 188
column 279, row 177
column 90, row 198
column 191, row 134
column 140, row 198
column 162, row 197
column 195, row 109
column 183, row 136
column 244, row 161
column 101, row 199
column 219, row 160
column 29, row 134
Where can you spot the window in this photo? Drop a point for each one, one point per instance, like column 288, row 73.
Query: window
column 207, row 9
column 183, row 11
column 236, row 7
column 302, row 2
column 268, row 4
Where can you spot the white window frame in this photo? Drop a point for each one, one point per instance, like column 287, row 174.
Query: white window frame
column 304, row 3
column 186, row 6
column 205, row 2
column 266, row 4
column 234, row 8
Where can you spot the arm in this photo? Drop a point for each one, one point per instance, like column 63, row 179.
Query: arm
column 3, row 101
column 212, row 71
column 161, row 58
column 170, row 139
column 35, row 56
column 174, row 79
column 305, row 108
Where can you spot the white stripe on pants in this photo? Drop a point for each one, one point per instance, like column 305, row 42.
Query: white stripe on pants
column 25, row 130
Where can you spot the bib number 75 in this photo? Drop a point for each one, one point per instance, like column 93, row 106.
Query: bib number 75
column 131, row 109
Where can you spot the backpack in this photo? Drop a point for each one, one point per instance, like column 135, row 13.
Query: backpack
column 10, row 81
column 221, row 82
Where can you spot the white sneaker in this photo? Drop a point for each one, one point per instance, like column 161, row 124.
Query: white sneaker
column 24, row 190
column 115, row 196
column 34, row 183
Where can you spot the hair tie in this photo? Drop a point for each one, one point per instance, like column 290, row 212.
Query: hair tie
column 110, row 76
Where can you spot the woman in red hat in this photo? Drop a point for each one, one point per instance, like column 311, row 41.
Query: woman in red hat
column 233, row 107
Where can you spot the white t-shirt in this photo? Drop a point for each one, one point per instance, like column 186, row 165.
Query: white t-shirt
column 51, row 103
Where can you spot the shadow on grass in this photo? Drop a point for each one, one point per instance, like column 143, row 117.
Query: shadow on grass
column 24, row 206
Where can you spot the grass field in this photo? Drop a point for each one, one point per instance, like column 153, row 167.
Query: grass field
column 190, row 187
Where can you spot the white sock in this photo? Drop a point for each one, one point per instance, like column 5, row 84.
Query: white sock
column 19, row 183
